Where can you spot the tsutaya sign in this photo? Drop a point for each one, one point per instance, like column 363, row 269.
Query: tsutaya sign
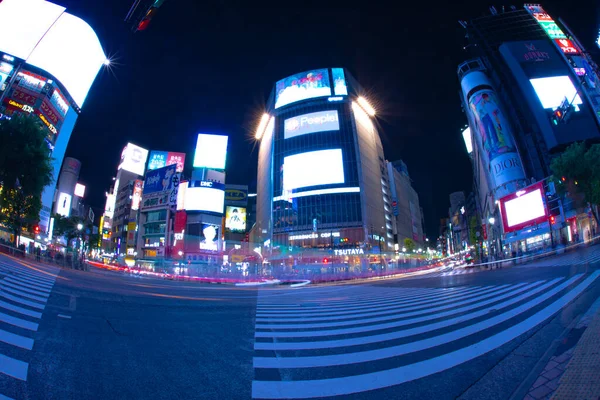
column 348, row 252
column 314, row 235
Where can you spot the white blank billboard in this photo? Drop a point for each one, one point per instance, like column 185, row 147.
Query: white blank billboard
column 211, row 151
column 133, row 159
column 525, row 208
column 552, row 91
column 79, row 190
column 204, row 199
column 45, row 36
column 313, row 168
column 63, row 204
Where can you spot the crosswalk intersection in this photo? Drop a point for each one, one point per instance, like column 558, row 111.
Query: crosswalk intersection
column 570, row 259
column 24, row 292
column 320, row 342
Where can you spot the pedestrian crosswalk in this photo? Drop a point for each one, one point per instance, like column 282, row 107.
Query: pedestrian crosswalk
column 569, row 259
column 316, row 342
column 24, row 292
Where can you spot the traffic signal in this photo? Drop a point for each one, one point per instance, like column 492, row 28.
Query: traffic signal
column 325, row 261
column 557, row 117
column 36, row 229
column 552, row 219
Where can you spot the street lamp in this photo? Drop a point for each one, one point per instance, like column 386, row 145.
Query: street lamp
column 492, row 220
column 79, row 226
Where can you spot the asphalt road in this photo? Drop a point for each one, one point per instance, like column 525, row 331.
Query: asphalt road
column 99, row 334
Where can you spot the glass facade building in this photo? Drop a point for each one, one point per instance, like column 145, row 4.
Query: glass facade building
column 322, row 176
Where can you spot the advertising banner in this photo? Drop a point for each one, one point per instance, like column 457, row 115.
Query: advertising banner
column 205, row 196
column 5, row 70
column 236, row 195
column 209, row 238
column 157, row 159
column 496, row 137
column 133, row 159
column 131, row 228
column 211, row 151
column 339, row 82
column 50, row 113
column 235, row 219
column 566, row 46
column 302, row 86
column 160, row 180
column 524, row 208
column 79, row 190
column 179, row 233
column 136, row 198
column 59, row 102
column 23, row 97
column 177, row 159
column 310, row 123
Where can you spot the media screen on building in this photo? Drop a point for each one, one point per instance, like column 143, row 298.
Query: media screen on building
column 136, row 197
column 468, row 140
column 161, row 180
column 553, row 90
column 339, row 82
column 524, row 207
column 133, row 159
column 302, row 86
column 161, row 159
column 310, row 123
column 63, row 204
column 323, row 167
column 235, row 219
column 205, row 196
column 79, row 190
column 211, row 151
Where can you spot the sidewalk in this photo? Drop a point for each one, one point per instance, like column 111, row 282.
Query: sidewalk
column 573, row 372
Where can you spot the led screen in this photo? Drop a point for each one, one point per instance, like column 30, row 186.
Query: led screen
column 181, row 192
column 321, row 167
column 209, row 237
column 311, row 123
column 468, row 141
column 177, row 159
column 211, row 151
column 339, row 82
column 71, row 52
column 133, row 159
column 157, row 159
column 524, row 208
column 161, row 180
column 23, row 23
column 302, row 86
column 205, row 196
column 136, row 198
column 79, row 190
column 552, row 91
column 235, row 219
column 63, row 204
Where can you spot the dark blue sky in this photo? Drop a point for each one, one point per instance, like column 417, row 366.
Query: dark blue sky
column 209, row 67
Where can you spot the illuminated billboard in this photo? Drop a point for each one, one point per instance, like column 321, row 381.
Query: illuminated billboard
column 209, row 238
column 181, row 192
column 45, row 36
column 567, row 46
column 322, row 167
column 310, row 123
column 211, row 151
column 177, row 159
column 523, row 208
column 63, row 204
column 339, row 82
column 235, row 219
column 157, row 159
column 205, row 196
column 468, row 140
column 553, row 90
column 161, row 180
column 109, row 207
column 136, row 197
column 79, row 190
column 133, row 159
column 5, row 70
column 302, row 86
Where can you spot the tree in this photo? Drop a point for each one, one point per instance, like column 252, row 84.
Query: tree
column 409, row 244
column 577, row 171
column 67, row 227
column 25, row 168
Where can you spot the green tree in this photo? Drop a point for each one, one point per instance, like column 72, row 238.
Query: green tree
column 577, row 171
column 25, row 168
column 67, row 227
column 409, row 244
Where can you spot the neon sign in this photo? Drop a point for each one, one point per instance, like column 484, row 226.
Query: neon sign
column 47, row 123
column 23, row 107
column 314, row 235
column 348, row 252
column 566, row 46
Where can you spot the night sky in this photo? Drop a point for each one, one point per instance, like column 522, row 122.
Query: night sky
column 209, row 67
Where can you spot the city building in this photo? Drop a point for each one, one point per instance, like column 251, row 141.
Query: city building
column 323, row 181
column 46, row 76
column 528, row 91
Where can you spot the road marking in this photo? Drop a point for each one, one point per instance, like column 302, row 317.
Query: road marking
column 395, row 376
column 369, row 311
column 416, row 310
column 64, row 316
column 30, row 277
column 22, row 301
column 20, row 310
column 327, row 344
column 3, row 397
column 15, row 368
column 329, row 310
column 29, row 284
column 16, row 340
column 23, row 294
column 4, row 283
column 21, row 323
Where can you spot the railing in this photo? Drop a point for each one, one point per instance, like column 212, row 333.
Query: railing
column 69, row 260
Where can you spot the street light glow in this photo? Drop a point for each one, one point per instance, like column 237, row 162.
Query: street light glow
column 79, row 226
column 366, row 106
column 264, row 120
column 492, row 220
column 106, row 62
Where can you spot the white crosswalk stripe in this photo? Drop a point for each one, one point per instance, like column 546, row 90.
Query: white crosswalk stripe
column 327, row 350
column 24, row 293
column 570, row 259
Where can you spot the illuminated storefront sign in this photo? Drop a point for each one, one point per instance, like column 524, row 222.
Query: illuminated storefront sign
column 47, row 123
column 314, row 235
column 579, row 71
column 136, row 198
column 348, row 252
column 59, row 102
column 24, row 97
column 310, row 123
column 20, row 106
column 32, row 81
column 49, row 112
column 566, row 46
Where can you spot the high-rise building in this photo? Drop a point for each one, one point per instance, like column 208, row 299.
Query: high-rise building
column 528, row 92
column 322, row 177
column 45, row 72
